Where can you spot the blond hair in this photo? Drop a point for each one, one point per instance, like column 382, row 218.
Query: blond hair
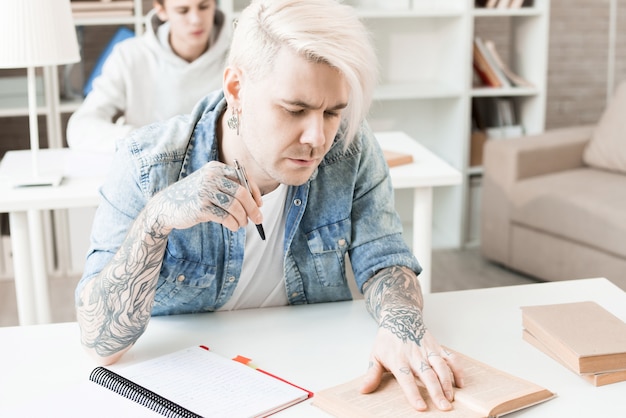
column 322, row 31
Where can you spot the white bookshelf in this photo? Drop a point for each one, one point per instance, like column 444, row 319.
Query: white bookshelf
column 526, row 45
column 423, row 93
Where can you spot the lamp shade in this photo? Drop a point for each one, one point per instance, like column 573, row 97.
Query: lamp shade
column 37, row 33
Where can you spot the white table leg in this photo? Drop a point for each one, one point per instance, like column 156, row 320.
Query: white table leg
column 39, row 266
column 22, row 262
column 422, row 232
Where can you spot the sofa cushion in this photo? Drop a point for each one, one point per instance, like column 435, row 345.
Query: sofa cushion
column 607, row 148
column 585, row 205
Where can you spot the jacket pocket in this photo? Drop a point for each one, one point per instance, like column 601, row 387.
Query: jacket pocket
column 328, row 246
column 185, row 287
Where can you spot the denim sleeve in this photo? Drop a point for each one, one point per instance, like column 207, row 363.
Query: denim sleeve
column 121, row 201
column 377, row 229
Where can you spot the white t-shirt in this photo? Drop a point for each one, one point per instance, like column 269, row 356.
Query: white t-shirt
column 262, row 275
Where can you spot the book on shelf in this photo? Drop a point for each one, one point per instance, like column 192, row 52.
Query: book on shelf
column 486, row 67
column 504, row 132
column 499, row 4
column 196, row 382
column 481, row 3
column 513, row 78
column 496, row 117
column 583, row 336
column 503, row 4
column 484, row 71
column 394, row 158
column 488, row 392
column 506, row 125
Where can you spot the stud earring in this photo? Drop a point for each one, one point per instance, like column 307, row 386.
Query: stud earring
column 233, row 120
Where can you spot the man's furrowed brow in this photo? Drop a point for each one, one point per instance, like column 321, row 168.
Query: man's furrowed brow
column 305, row 105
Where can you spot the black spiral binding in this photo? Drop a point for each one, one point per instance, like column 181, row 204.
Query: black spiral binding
column 137, row 393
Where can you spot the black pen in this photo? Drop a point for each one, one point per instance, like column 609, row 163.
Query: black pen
column 243, row 179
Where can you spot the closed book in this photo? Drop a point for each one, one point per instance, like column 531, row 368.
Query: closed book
column 480, row 44
column 395, row 158
column 514, row 78
column 486, row 67
column 587, row 337
column 596, row 379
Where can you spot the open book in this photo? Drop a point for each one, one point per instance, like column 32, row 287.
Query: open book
column 488, row 392
column 198, row 383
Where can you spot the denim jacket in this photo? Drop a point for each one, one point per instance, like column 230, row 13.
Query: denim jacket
column 346, row 207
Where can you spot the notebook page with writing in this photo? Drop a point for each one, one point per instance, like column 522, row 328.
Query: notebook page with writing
column 213, row 386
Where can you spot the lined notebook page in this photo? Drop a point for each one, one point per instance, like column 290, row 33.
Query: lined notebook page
column 211, row 385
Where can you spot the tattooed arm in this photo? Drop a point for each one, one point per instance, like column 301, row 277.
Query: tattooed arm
column 403, row 344
column 114, row 308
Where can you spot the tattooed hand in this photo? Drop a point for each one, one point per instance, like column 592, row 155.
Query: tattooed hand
column 212, row 193
column 403, row 344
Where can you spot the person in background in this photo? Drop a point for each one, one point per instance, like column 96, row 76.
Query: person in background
column 172, row 236
column 164, row 72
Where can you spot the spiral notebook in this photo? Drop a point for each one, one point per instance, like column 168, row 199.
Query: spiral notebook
column 196, row 382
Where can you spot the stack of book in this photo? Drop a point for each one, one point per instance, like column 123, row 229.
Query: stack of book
column 582, row 336
column 101, row 8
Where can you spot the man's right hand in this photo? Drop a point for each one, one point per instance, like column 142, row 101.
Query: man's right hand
column 211, row 194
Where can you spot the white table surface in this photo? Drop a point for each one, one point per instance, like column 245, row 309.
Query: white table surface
column 317, row 346
column 82, row 172
column 427, row 168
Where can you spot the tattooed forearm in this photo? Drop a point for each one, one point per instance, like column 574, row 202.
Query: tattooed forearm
column 394, row 286
column 394, row 298
column 115, row 308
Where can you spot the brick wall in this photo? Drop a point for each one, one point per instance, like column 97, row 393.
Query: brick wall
column 578, row 55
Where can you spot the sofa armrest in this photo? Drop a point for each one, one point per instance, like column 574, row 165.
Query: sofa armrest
column 556, row 150
column 506, row 162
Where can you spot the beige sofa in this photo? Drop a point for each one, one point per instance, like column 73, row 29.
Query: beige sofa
column 554, row 204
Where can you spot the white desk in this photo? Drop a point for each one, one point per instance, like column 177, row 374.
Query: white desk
column 84, row 172
column 425, row 173
column 310, row 347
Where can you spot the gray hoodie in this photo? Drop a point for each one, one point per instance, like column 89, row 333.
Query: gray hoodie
column 145, row 81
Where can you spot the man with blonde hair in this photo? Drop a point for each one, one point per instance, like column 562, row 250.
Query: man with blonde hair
column 172, row 234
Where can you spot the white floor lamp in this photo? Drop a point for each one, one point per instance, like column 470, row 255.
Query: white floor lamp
column 36, row 33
